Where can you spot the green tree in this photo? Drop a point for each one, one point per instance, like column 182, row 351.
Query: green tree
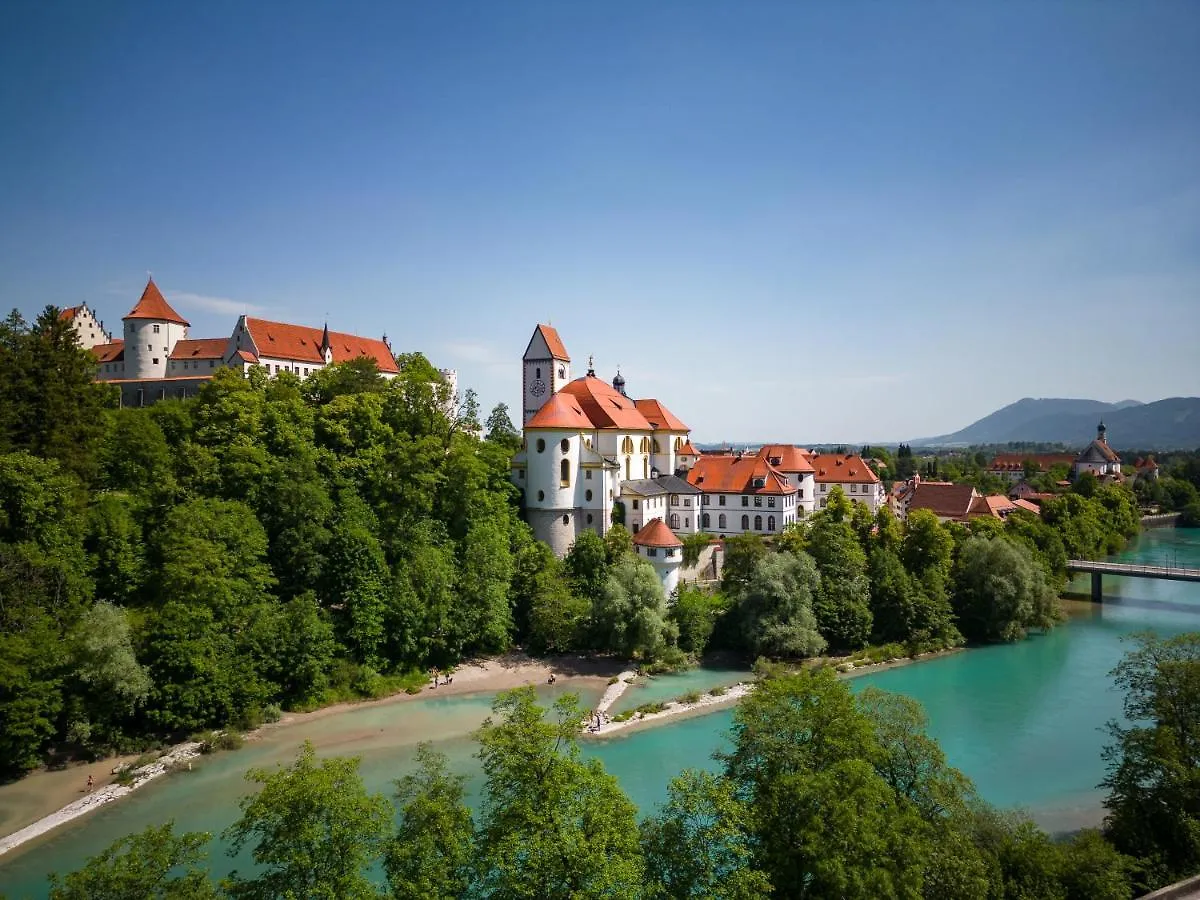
column 695, row 613
column 842, row 601
column 155, row 864
column 500, row 429
column 587, row 565
column 112, row 683
column 116, row 551
column 314, row 829
column 551, row 824
column 1000, row 591
column 356, row 585
column 776, row 607
column 741, row 554
column 629, row 615
column 487, row 570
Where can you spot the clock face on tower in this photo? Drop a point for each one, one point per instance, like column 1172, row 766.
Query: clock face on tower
column 537, row 388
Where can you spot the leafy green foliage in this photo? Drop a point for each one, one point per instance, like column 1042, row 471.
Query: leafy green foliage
column 143, row 866
column 1001, row 591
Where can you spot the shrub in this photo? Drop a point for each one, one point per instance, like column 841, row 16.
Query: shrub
column 689, row 698
column 272, row 713
column 719, row 691
column 613, row 680
column 623, row 716
column 649, row 708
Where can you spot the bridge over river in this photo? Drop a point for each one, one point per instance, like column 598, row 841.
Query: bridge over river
column 1129, row 570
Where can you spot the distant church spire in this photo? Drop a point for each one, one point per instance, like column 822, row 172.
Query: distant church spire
column 1101, row 432
column 591, row 368
column 619, row 382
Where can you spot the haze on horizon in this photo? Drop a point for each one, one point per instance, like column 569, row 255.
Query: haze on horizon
column 790, row 221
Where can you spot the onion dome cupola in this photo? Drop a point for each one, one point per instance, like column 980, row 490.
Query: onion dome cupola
column 619, row 383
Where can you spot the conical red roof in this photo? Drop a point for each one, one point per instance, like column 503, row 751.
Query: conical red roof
column 154, row 305
column 655, row 533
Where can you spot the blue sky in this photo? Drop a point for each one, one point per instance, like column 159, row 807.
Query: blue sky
column 789, row 221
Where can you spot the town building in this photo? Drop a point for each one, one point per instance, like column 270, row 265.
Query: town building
column 1098, row 458
column 743, row 494
column 796, row 466
column 850, row 472
column 1146, row 469
column 89, row 330
column 658, row 545
column 1013, row 465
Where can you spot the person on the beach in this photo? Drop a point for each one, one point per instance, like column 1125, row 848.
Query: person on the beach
column 90, row 782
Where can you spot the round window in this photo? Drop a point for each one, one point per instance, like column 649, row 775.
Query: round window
column 541, row 445
column 541, row 495
column 565, row 444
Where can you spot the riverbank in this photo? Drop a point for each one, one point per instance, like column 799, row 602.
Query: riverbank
column 46, row 799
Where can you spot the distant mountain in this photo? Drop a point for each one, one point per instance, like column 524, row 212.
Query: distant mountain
column 1164, row 424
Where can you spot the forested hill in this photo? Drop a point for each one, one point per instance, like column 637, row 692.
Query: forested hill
column 1173, row 423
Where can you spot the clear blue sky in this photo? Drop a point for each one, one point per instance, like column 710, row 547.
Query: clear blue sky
column 804, row 221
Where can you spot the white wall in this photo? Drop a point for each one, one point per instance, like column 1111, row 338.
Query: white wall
column 873, row 495
column 785, row 511
column 144, row 345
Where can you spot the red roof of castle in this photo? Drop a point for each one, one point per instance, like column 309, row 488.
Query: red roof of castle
column 279, row 340
column 69, row 313
column 106, row 353
column 604, row 405
column 561, row 411
column 659, row 416
column 842, row 468
column 656, row 534
column 791, row 458
column 201, row 348
column 736, row 475
column 153, row 305
column 554, row 342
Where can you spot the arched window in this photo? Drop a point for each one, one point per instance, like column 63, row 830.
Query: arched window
column 645, row 445
column 588, row 496
column 678, row 444
column 565, row 444
column 564, row 473
column 541, row 495
column 721, row 522
column 770, row 523
column 745, row 523
column 566, row 520
column 541, row 445
column 674, row 520
column 627, row 445
column 704, row 521
column 657, row 448
column 628, row 477
column 758, row 523
column 645, row 467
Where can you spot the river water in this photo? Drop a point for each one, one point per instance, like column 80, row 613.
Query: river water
column 1024, row 721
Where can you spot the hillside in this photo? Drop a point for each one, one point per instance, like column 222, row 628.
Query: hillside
column 1170, row 423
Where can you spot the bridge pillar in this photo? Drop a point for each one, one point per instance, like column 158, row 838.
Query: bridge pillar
column 1097, row 588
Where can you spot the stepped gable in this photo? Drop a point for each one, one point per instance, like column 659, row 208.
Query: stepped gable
column 201, row 348
column 659, row 416
column 842, row 468
column 562, row 411
column 281, row 340
column 737, row 475
column 604, row 405
column 786, row 457
column 655, row 533
column 153, row 305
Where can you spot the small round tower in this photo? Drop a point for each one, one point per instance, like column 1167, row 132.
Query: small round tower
column 151, row 330
column 657, row 544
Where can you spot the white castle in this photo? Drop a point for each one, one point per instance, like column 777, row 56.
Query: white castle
column 591, row 456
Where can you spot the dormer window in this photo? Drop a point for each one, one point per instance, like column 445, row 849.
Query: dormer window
column 760, row 482
column 775, row 460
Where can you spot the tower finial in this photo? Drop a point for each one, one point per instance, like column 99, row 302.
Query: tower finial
column 591, row 368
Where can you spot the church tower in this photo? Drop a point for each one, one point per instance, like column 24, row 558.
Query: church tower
column 547, row 367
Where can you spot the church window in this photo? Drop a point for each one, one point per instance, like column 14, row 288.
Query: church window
column 564, row 473
column 657, row 448
column 636, row 526
column 758, row 523
column 628, row 477
column 156, row 329
column 674, row 520
column 562, row 373
column 565, row 445
column 645, row 468
column 537, row 373
column 678, row 444
column 588, row 474
column 541, row 495
column 704, row 520
column 635, row 504
column 770, row 523
column 721, row 521
column 745, row 523
column 627, row 445
column 541, row 445
column 588, row 496
column 566, row 520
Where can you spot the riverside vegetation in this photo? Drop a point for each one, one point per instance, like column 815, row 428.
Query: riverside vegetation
column 281, row 544
column 822, row 794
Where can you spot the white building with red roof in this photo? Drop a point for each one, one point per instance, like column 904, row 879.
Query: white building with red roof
column 1098, row 458
column 743, row 494
column 89, row 330
column 850, row 472
column 659, row 546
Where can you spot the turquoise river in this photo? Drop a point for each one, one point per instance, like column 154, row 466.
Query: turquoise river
column 1025, row 721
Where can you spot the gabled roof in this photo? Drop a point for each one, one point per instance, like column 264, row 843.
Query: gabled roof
column 737, row 475
column 201, row 348
column 107, row 353
column 947, row 501
column 561, row 411
column 1146, row 464
column 553, row 342
column 656, row 534
column 1028, row 506
column 643, row 487
column 791, row 458
column 995, row 505
column 676, row 485
column 688, row 449
column 153, row 305
column 841, row 468
column 605, row 406
column 68, row 314
column 1015, row 462
column 659, row 416
column 279, row 340
column 1098, row 451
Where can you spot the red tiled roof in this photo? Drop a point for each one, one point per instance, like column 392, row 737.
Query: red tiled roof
column 734, row 475
column 842, row 468
column 948, row 501
column 1101, row 447
column 688, row 449
column 554, row 342
column 605, row 406
column 279, row 340
column 153, row 305
column 106, row 353
column 561, row 411
column 1028, row 506
column 791, row 458
column 656, row 534
column 246, row 356
column 994, row 505
column 69, row 313
column 659, row 416
column 201, row 348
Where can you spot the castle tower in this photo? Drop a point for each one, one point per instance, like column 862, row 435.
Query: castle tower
column 547, row 367
column 657, row 544
column 151, row 329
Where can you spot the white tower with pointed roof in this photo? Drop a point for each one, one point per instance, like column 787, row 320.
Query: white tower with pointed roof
column 547, row 367
column 152, row 328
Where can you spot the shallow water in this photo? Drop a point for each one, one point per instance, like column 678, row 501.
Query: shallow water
column 1024, row 721
column 671, row 686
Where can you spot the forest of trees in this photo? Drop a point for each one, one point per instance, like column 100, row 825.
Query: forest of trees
column 277, row 543
column 822, row 794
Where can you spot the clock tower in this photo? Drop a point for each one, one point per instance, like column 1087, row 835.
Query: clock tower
column 547, row 367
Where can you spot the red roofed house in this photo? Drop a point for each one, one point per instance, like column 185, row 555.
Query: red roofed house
column 1099, row 458
column 659, row 546
column 850, row 472
column 89, row 330
column 1012, row 465
column 585, row 438
column 743, row 494
column 794, row 463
